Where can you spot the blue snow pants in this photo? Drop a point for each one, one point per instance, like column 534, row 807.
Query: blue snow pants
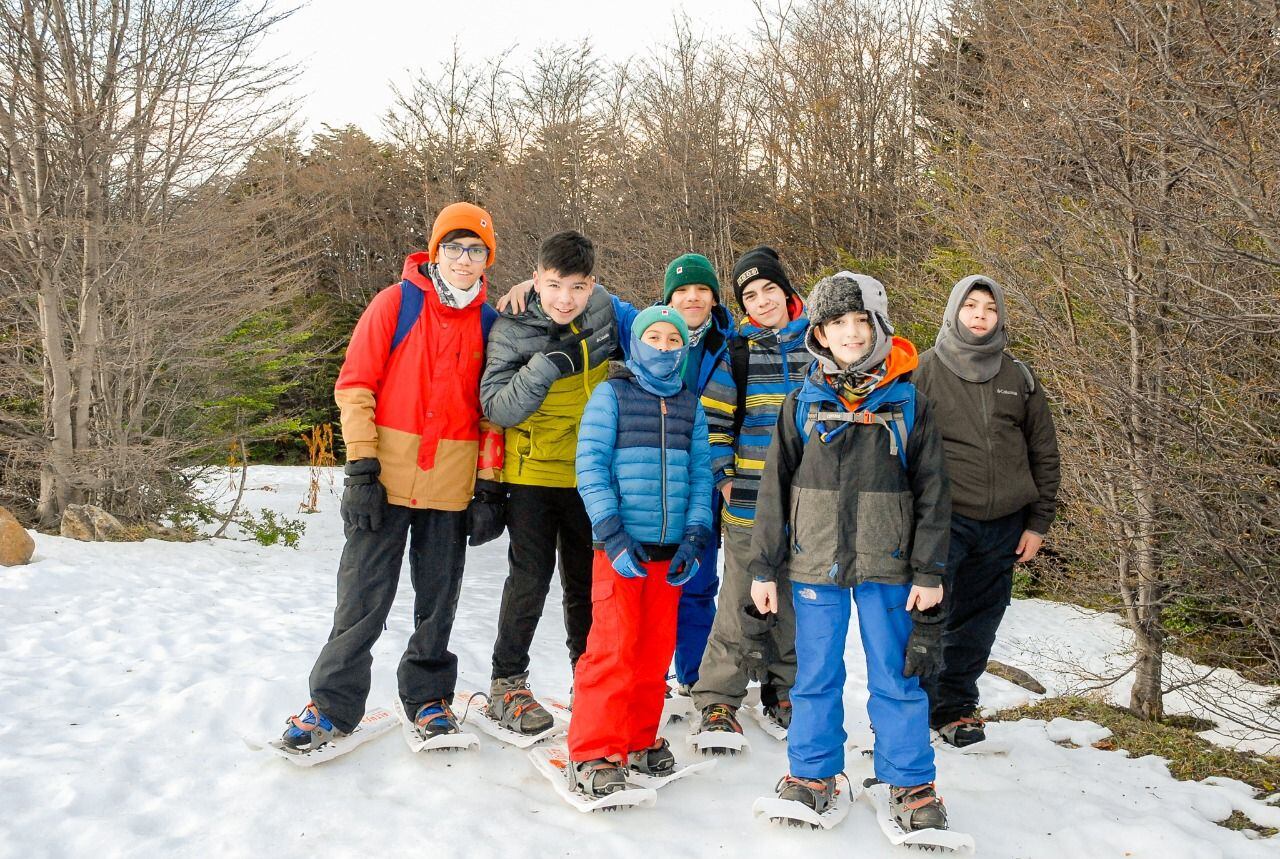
column 898, row 707
column 698, row 608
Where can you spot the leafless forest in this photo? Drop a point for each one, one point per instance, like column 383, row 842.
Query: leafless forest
column 180, row 270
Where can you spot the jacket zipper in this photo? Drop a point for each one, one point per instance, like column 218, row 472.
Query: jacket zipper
column 986, row 431
column 662, row 438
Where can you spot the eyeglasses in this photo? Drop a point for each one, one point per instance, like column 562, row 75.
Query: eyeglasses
column 479, row 253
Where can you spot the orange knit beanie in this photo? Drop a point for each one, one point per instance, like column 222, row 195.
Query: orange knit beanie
column 463, row 216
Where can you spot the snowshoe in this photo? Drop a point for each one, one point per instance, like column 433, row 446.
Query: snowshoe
column 476, row 701
column 817, row 803
column 914, row 816
column 552, row 760
column 718, row 732
column 317, row 740
column 434, row 727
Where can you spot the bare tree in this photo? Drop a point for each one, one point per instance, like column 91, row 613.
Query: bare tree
column 116, row 119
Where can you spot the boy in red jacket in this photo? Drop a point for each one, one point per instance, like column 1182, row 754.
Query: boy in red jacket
column 422, row 468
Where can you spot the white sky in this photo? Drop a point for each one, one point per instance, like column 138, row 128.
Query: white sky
column 350, row 53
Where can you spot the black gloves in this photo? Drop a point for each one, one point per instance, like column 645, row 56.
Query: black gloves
column 363, row 497
column 924, row 647
column 684, row 565
column 487, row 513
column 758, row 650
column 565, row 350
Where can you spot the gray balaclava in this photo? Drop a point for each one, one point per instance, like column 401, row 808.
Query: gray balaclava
column 846, row 292
column 974, row 359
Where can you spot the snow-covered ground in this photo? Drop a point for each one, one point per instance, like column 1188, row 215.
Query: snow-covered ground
column 132, row 671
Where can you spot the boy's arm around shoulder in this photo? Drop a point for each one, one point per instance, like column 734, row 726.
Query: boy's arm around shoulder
column 514, row 384
column 927, row 474
column 363, row 371
column 700, row 482
column 769, row 535
column 597, row 440
column 1043, row 460
column 624, row 314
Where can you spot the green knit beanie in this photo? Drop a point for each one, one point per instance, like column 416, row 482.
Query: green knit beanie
column 659, row 313
column 687, row 269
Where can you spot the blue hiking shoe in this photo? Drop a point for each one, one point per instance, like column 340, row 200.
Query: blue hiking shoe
column 435, row 718
column 309, row 730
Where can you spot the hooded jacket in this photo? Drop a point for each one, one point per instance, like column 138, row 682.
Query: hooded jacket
column 522, row 390
column 998, row 433
column 417, row 409
column 845, row 511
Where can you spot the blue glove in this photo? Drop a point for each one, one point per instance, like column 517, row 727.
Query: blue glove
column 684, row 564
column 624, row 553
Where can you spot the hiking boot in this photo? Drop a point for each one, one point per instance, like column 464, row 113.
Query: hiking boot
column 513, row 706
column 917, row 807
column 963, row 732
column 656, row 760
column 435, row 718
column 780, row 713
column 720, row 717
column 817, row 793
column 309, row 730
column 596, row 778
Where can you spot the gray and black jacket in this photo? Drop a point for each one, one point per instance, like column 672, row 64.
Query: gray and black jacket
column 1001, row 447
column 840, row 508
column 523, row 391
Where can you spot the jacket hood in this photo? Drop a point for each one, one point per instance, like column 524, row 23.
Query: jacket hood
column 974, row 359
column 903, row 357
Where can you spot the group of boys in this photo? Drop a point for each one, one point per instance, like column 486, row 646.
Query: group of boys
column 838, row 467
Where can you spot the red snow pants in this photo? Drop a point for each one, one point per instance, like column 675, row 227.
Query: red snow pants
column 621, row 681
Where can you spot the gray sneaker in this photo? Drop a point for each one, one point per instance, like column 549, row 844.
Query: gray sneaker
column 965, row 731
column 917, row 807
column 513, row 706
column 659, row 761
column 817, row 793
column 598, row 777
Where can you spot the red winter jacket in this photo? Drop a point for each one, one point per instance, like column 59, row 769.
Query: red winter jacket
column 418, row 409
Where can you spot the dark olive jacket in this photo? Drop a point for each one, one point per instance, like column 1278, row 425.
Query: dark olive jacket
column 1002, row 451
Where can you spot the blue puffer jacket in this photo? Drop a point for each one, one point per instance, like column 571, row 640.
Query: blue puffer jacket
column 645, row 459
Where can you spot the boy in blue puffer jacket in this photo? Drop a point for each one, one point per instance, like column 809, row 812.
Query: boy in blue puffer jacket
column 644, row 473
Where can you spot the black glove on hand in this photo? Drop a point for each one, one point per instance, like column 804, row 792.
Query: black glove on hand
column 487, row 513
column 924, row 647
column 363, row 497
column 565, row 350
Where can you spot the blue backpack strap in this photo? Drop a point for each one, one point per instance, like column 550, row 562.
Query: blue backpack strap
column 898, row 421
column 803, row 424
column 488, row 316
column 410, row 310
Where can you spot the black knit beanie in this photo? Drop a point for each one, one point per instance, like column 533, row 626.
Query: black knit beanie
column 759, row 262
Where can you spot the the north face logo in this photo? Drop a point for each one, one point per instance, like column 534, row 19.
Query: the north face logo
column 807, row 594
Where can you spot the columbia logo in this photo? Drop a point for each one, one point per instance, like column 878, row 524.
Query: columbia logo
column 808, row 594
column 1006, row 393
